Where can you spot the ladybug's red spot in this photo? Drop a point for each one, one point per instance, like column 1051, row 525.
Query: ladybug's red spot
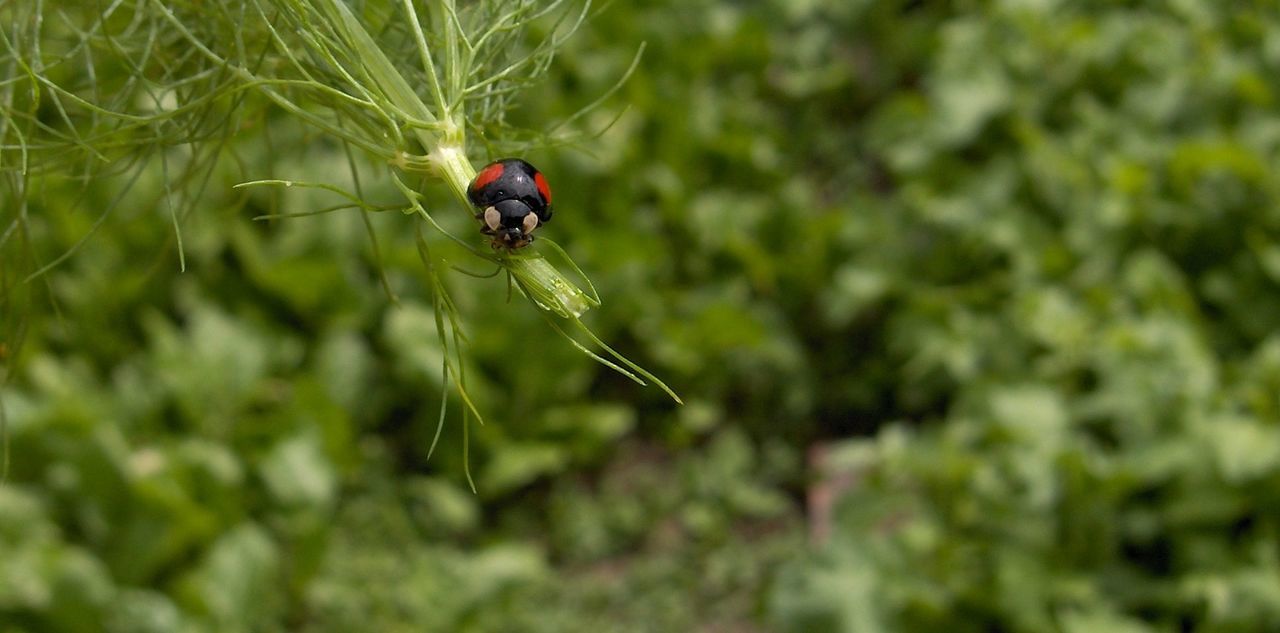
column 542, row 187
column 486, row 176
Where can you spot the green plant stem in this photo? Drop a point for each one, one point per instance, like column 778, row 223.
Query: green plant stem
column 451, row 165
column 548, row 287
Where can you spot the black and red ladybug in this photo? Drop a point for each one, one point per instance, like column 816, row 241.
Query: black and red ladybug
column 513, row 199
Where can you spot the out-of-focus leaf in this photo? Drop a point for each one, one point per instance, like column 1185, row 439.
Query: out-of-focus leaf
column 235, row 584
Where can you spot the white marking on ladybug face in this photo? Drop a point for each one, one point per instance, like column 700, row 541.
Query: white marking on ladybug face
column 492, row 218
column 529, row 223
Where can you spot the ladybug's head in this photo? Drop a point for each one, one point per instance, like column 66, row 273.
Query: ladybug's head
column 510, row 222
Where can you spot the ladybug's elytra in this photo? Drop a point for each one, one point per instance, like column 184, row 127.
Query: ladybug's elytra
column 513, row 199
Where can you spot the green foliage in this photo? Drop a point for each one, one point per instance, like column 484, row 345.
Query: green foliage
column 971, row 303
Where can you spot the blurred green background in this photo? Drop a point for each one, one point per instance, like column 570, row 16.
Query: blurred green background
column 974, row 306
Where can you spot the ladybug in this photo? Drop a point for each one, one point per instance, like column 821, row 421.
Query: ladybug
column 513, row 199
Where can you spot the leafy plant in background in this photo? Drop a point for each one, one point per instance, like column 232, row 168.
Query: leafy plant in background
column 1011, row 264
column 1083, row 204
